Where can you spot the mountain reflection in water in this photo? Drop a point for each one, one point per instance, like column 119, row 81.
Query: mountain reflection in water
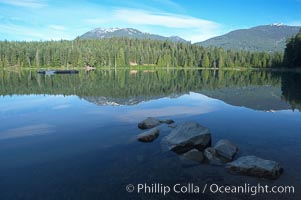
column 74, row 136
column 259, row 90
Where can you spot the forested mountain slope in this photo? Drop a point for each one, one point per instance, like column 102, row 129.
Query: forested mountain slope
column 269, row 38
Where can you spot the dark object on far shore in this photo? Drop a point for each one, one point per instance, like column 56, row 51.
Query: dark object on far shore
column 49, row 72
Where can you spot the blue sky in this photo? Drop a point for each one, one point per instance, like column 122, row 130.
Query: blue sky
column 194, row 20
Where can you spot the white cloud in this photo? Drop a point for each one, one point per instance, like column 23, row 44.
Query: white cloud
column 170, row 4
column 57, row 27
column 188, row 27
column 136, row 115
column 162, row 19
column 25, row 3
column 33, row 33
column 17, row 30
column 63, row 106
column 32, row 26
column 31, row 130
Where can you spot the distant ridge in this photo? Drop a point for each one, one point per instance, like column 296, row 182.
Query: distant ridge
column 101, row 33
column 269, row 38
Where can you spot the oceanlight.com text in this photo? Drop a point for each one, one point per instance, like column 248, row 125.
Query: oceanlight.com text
column 191, row 188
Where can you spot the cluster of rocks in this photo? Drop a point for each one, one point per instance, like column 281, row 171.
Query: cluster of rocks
column 151, row 122
column 153, row 133
column 192, row 141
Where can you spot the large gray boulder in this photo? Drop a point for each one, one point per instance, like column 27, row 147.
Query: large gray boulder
column 226, row 149
column 187, row 136
column 254, row 166
column 148, row 123
column 194, row 155
column 149, row 135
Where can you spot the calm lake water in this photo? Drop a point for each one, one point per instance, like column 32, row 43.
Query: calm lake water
column 73, row 136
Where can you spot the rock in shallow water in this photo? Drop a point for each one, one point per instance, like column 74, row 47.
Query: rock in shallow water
column 172, row 126
column 254, row 166
column 226, row 149
column 167, row 121
column 194, row 155
column 149, row 122
column 187, row 136
column 148, row 136
column 213, row 158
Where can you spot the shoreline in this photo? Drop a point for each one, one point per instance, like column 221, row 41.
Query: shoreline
column 154, row 68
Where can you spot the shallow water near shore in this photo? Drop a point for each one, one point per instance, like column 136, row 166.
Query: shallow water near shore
column 74, row 136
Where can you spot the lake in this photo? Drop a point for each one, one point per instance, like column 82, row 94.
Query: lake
column 74, row 136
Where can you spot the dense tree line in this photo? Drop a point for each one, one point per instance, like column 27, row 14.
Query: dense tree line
column 122, row 52
column 292, row 53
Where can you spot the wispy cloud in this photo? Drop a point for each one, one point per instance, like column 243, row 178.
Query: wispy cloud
column 26, row 3
column 51, row 32
column 57, row 27
column 188, row 27
column 169, row 3
column 63, row 106
column 17, row 30
column 136, row 115
column 162, row 19
column 61, row 22
column 31, row 130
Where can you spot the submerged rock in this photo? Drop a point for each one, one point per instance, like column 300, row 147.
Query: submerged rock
column 172, row 126
column 194, row 155
column 187, row 136
column 226, row 149
column 149, row 122
column 148, row 136
column 212, row 157
column 152, row 122
column 167, row 121
column 254, row 166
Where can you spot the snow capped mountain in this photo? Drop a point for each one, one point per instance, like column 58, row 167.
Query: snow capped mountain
column 277, row 24
column 104, row 30
column 110, row 101
column 100, row 33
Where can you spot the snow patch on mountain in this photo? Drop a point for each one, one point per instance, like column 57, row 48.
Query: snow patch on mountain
column 105, row 30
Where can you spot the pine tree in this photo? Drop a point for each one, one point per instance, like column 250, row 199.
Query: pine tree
column 205, row 61
column 292, row 53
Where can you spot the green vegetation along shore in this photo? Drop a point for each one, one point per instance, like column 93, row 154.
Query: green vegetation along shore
column 124, row 52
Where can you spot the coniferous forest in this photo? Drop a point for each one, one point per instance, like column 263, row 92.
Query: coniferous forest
column 292, row 53
column 123, row 52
